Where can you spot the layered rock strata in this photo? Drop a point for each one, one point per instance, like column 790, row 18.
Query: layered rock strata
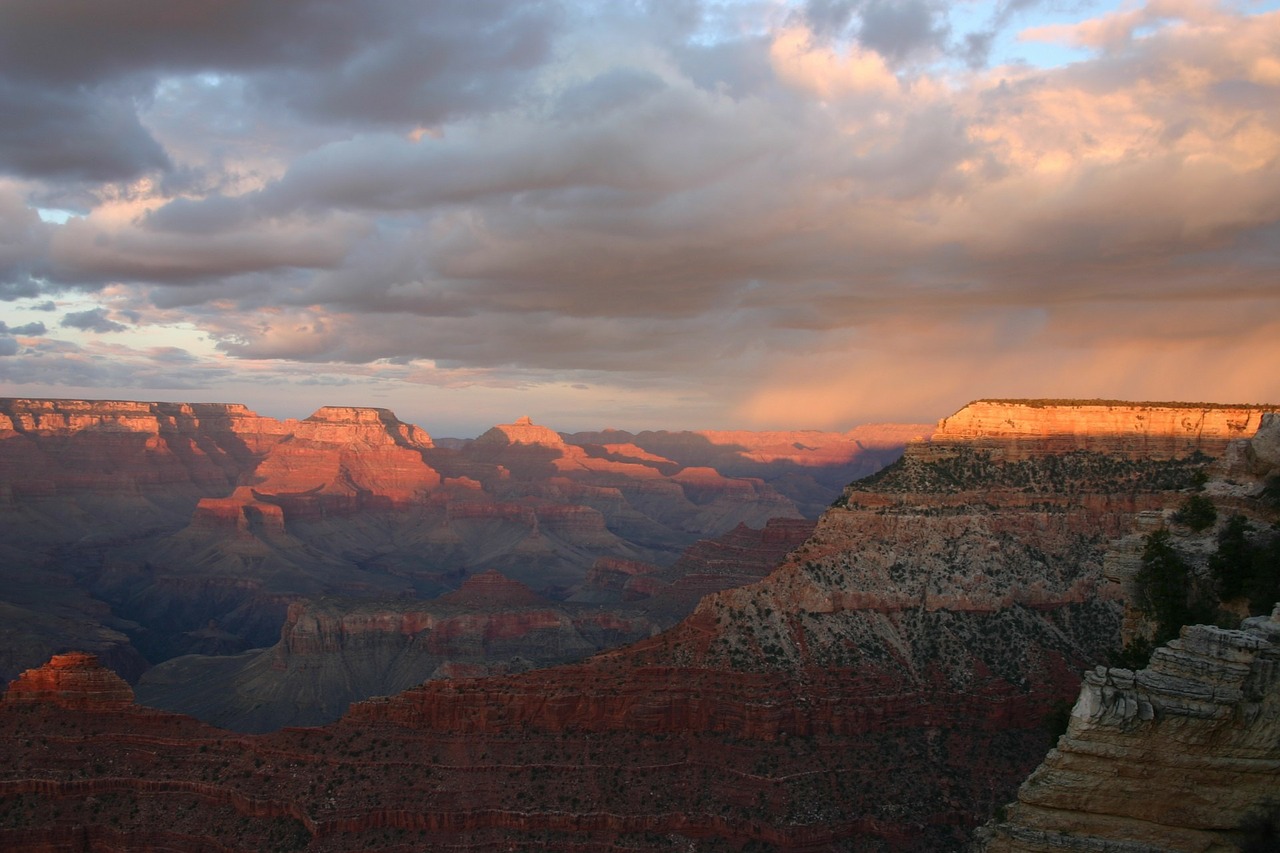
column 1016, row 428
column 334, row 652
column 1181, row 756
column 141, row 530
column 74, row 680
column 884, row 689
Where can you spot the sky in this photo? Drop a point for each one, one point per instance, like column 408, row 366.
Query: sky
column 641, row 214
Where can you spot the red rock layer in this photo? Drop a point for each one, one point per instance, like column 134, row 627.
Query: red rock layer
column 73, row 680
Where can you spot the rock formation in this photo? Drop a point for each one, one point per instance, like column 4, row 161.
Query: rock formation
column 884, row 689
column 807, row 465
column 140, row 531
column 333, row 652
column 74, row 680
column 1153, row 430
column 1178, row 757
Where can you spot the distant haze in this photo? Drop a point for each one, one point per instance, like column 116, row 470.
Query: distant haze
column 684, row 215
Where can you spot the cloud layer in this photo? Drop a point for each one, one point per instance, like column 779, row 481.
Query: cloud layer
column 745, row 213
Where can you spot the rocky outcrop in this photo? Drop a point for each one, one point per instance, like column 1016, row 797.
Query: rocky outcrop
column 1180, row 756
column 74, row 680
column 343, row 460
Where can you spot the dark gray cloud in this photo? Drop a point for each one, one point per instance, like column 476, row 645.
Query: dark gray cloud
column 71, row 74
column 76, row 134
column 36, row 328
column 24, row 241
column 830, row 18
column 897, row 29
column 92, row 320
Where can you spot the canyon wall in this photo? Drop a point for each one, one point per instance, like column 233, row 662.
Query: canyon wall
column 1183, row 754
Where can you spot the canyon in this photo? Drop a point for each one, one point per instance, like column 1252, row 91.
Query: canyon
column 142, row 531
column 884, row 688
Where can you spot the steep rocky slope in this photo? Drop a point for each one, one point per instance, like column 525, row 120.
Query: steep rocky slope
column 1184, row 754
column 883, row 690
column 140, row 531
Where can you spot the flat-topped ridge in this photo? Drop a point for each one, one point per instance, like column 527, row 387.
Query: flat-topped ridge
column 1154, row 430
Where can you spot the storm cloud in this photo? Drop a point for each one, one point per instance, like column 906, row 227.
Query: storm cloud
column 826, row 211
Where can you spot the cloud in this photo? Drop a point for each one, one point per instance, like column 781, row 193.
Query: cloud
column 672, row 201
column 24, row 329
column 73, row 134
column 92, row 320
column 51, row 365
column 896, row 29
column 899, row 28
column 72, row 78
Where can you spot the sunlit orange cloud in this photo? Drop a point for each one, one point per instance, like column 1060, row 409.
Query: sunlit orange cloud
column 1114, row 29
column 898, row 378
column 827, row 72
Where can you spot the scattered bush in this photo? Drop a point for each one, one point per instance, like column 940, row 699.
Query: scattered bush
column 1136, row 655
column 1167, row 592
column 1197, row 512
column 1232, row 563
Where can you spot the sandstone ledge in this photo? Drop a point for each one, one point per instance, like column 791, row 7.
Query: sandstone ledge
column 1174, row 757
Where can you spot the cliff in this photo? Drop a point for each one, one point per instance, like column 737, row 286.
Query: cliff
column 1183, row 755
column 1017, row 428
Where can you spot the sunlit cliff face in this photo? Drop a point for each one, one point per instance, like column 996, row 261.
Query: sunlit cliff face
column 714, row 216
